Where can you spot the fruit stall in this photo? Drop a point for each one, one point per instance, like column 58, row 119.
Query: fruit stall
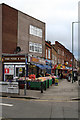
column 35, row 83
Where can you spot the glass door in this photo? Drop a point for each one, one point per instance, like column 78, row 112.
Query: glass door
column 20, row 71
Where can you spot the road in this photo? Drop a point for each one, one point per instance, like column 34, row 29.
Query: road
column 54, row 103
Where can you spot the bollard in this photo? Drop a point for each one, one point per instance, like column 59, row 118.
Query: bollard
column 41, row 87
column 48, row 83
column 44, row 85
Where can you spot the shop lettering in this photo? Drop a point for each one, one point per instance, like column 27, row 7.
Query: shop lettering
column 14, row 59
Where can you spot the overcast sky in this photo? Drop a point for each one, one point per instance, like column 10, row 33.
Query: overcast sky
column 57, row 14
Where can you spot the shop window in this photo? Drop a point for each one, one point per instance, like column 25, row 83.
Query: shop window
column 49, row 53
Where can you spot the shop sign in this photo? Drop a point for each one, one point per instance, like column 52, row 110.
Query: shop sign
column 9, row 59
column 35, row 60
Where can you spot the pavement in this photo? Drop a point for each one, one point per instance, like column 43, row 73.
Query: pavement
column 63, row 92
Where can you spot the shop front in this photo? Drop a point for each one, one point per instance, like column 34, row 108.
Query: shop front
column 13, row 67
column 37, row 65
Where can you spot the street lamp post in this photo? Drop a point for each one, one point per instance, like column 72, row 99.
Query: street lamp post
column 73, row 47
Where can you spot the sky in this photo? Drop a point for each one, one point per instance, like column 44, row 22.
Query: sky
column 58, row 16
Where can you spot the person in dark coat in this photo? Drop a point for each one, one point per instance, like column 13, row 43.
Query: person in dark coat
column 38, row 75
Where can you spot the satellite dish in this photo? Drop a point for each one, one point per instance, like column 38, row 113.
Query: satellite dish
column 18, row 49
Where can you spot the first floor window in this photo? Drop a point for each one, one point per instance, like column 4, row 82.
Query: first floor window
column 49, row 53
column 35, row 47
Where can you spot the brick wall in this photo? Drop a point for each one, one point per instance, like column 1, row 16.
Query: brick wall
column 9, row 29
column 0, row 41
column 24, row 21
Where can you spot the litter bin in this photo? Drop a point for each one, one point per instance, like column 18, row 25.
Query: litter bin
column 56, row 81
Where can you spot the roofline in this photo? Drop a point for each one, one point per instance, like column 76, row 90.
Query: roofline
column 64, row 47
column 22, row 12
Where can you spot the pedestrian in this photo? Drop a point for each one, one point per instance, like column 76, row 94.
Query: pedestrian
column 38, row 75
column 61, row 75
column 69, row 77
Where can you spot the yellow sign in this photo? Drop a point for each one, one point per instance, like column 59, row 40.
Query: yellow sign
column 20, row 70
column 35, row 59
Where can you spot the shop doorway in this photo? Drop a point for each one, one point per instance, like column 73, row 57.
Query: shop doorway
column 20, row 71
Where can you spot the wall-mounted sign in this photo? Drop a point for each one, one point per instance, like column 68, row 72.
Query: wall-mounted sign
column 35, row 60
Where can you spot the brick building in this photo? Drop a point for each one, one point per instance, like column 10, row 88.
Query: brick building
column 20, row 29
column 60, row 50
column 67, row 58
column 64, row 55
